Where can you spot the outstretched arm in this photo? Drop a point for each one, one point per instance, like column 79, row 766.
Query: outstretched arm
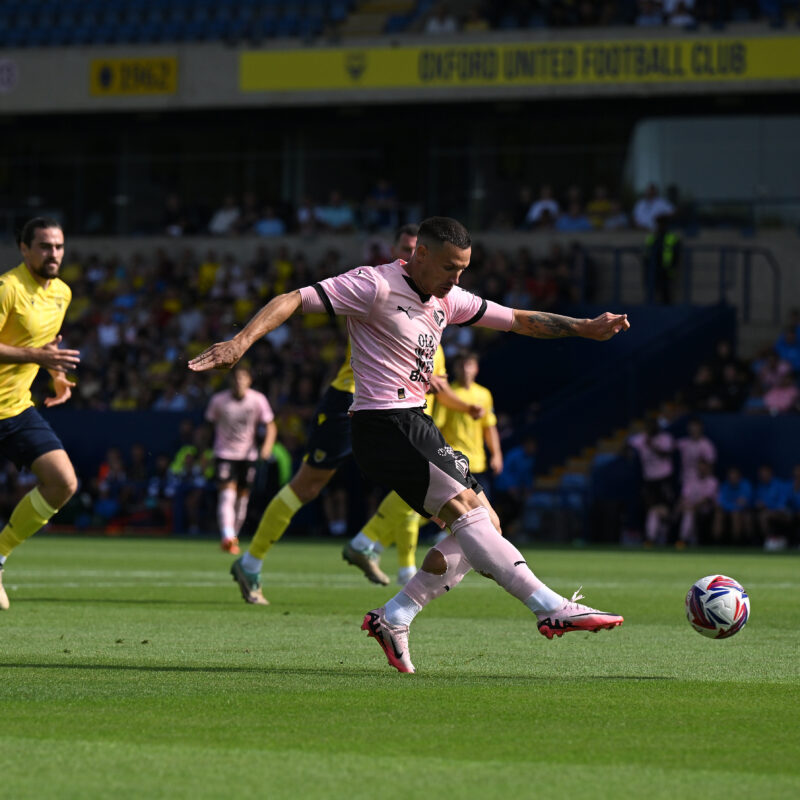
column 48, row 356
column 224, row 355
column 543, row 325
column 445, row 395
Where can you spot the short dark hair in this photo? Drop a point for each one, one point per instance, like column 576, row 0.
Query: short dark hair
column 406, row 230
column 444, row 229
column 461, row 359
column 28, row 232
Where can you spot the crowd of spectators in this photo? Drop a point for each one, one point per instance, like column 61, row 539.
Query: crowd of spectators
column 686, row 499
column 379, row 211
column 767, row 385
column 565, row 210
column 685, row 503
column 511, row 14
column 137, row 320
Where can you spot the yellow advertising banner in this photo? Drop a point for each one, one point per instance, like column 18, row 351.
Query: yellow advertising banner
column 522, row 64
column 129, row 76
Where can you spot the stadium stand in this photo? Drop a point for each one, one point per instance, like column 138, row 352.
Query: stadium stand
column 38, row 23
column 45, row 23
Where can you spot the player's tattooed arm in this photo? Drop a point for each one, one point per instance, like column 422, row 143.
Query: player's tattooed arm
column 544, row 325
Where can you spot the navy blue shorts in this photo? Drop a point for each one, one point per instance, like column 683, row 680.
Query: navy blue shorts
column 27, row 436
column 329, row 438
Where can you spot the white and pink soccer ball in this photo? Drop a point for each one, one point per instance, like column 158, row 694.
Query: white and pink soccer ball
column 717, row 606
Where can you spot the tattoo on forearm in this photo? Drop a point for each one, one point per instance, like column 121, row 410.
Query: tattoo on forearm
column 548, row 326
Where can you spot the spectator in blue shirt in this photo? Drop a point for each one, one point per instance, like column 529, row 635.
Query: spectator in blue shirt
column 734, row 508
column 772, row 508
column 788, row 348
column 269, row 223
column 574, row 220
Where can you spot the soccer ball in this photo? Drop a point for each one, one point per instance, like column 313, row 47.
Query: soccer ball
column 717, row 606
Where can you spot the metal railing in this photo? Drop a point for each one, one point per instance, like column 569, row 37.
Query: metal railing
column 725, row 263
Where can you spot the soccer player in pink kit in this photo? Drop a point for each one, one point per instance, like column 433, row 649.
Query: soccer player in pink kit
column 236, row 414
column 395, row 317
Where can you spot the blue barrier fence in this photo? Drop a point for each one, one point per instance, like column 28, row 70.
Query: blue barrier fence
column 587, row 389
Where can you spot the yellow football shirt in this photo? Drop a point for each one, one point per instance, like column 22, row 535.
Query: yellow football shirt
column 345, row 380
column 464, row 433
column 30, row 316
column 440, row 369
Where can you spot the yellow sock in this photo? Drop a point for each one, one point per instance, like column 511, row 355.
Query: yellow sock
column 407, row 535
column 275, row 521
column 31, row 513
column 392, row 521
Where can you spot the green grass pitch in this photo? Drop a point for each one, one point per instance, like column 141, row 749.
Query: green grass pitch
column 133, row 669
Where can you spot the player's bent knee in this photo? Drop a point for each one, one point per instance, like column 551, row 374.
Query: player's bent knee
column 495, row 520
column 59, row 490
column 434, row 562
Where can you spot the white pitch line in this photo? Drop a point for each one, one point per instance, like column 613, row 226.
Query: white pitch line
column 309, row 581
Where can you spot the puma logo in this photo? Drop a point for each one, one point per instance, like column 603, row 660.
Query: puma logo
column 406, row 311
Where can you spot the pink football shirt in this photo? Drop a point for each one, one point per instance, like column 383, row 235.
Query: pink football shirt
column 655, row 467
column 395, row 330
column 696, row 489
column 692, row 451
column 235, row 423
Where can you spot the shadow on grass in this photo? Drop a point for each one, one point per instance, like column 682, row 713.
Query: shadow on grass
column 339, row 673
column 122, row 601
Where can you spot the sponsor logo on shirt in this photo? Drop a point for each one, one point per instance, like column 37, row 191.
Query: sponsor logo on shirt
column 438, row 317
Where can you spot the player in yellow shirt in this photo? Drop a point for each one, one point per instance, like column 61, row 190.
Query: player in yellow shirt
column 33, row 302
column 467, row 434
column 327, row 449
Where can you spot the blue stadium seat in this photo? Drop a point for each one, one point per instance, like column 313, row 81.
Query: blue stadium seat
column 236, row 29
column 542, row 500
column 267, row 22
column 35, row 37
column 173, row 30
column 575, row 501
column 396, row 23
column 126, row 32
column 310, row 26
column 288, row 25
column 338, row 11
column 574, row 480
column 82, row 34
column 149, row 32
column 15, row 37
column 216, row 29
column 601, row 459
column 316, row 9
